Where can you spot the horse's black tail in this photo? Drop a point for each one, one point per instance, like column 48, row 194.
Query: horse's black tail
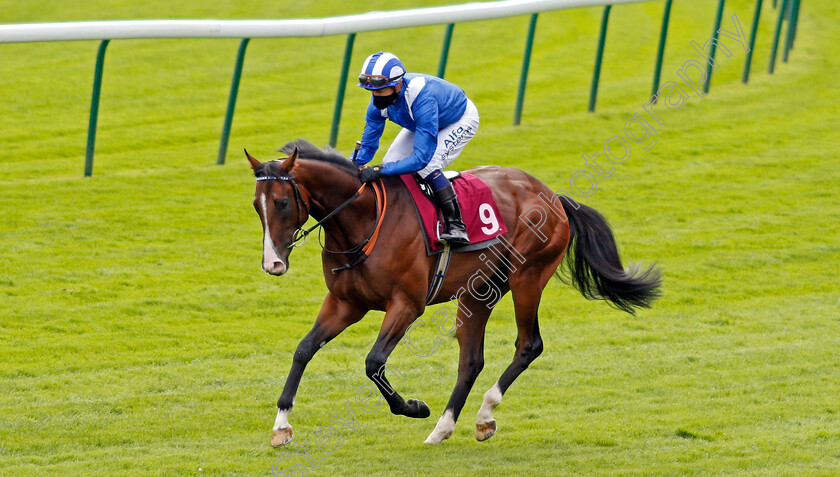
column 595, row 267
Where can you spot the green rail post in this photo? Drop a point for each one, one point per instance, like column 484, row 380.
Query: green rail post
column 94, row 106
column 789, row 36
column 342, row 87
column 444, row 52
column 713, row 47
column 599, row 56
column 776, row 34
column 797, row 4
column 234, row 90
column 526, row 63
column 745, row 77
column 660, row 52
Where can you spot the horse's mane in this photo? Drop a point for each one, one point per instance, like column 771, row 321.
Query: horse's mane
column 307, row 150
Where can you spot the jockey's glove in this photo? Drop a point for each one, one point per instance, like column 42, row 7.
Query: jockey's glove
column 368, row 174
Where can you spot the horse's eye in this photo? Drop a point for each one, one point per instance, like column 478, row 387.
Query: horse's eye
column 281, row 203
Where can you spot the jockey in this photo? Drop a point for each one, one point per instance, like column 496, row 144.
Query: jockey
column 438, row 120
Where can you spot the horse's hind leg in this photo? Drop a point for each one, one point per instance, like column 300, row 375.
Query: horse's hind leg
column 470, row 333
column 526, row 287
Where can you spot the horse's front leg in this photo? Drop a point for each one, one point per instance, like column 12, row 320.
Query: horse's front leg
column 398, row 317
column 334, row 317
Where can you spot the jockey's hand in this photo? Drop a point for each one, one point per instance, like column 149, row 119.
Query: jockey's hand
column 368, row 174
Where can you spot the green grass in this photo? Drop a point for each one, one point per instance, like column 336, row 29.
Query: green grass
column 139, row 336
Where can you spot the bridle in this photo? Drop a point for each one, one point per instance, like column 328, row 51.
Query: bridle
column 299, row 237
column 298, row 200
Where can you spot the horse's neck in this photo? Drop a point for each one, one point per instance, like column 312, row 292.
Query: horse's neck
column 327, row 186
column 330, row 187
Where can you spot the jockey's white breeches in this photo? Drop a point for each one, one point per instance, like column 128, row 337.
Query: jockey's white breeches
column 451, row 141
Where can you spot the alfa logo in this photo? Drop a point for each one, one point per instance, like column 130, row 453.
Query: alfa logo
column 455, row 137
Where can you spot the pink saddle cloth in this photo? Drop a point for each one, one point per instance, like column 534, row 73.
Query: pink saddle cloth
column 478, row 209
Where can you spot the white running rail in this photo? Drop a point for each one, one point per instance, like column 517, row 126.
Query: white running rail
column 126, row 29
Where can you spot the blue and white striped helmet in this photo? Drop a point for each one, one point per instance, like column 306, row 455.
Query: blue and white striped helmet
column 381, row 70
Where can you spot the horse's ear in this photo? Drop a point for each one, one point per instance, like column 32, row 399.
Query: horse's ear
column 254, row 162
column 289, row 163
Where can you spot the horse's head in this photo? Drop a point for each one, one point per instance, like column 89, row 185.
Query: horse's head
column 281, row 207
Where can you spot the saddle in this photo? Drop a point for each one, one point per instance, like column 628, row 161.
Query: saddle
column 478, row 209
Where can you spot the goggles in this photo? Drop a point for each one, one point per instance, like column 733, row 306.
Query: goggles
column 376, row 81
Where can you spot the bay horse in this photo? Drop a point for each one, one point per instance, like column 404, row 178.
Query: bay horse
column 395, row 276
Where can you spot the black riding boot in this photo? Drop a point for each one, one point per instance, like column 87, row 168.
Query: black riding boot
column 454, row 230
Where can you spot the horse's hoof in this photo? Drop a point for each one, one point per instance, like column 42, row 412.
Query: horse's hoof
column 281, row 437
column 434, row 439
column 443, row 429
column 485, row 431
column 418, row 409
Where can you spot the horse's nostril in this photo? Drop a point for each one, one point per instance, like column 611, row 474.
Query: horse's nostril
column 275, row 268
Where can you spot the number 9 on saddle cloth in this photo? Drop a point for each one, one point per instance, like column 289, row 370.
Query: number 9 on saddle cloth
column 480, row 213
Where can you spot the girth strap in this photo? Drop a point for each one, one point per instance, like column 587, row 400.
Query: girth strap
column 440, row 273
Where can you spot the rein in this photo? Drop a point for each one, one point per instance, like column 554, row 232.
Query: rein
column 380, row 198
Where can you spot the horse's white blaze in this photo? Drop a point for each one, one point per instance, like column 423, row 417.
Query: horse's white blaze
column 270, row 257
column 444, row 428
column 282, row 420
column 492, row 398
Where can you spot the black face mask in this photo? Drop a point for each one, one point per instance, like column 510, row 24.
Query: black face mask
column 382, row 102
